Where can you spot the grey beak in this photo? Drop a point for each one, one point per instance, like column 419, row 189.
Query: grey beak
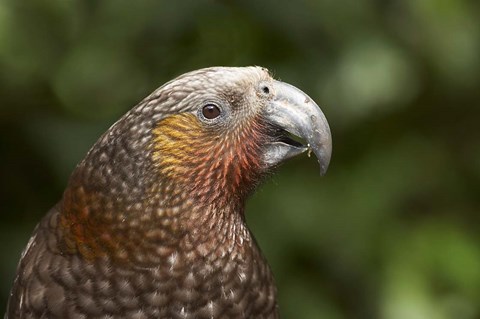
column 295, row 112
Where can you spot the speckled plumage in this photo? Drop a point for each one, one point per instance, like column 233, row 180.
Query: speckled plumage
column 151, row 224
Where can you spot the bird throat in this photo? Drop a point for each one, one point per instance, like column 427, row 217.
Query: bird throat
column 195, row 206
column 148, row 233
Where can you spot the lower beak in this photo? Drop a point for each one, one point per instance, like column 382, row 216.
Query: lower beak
column 290, row 110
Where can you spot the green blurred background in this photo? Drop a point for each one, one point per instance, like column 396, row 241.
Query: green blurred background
column 391, row 231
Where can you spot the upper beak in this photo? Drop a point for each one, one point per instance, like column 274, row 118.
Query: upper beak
column 295, row 112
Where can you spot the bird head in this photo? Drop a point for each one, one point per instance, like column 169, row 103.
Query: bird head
column 226, row 127
column 205, row 138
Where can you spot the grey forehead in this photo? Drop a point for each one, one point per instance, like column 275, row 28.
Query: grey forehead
column 218, row 76
column 178, row 94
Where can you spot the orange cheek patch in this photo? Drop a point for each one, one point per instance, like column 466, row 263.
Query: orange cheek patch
column 208, row 163
column 175, row 139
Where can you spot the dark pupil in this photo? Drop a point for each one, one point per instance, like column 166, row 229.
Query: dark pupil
column 211, row 111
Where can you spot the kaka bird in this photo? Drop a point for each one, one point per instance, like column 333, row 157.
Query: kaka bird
column 151, row 224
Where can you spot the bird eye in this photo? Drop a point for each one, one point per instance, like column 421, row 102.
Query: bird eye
column 211, row 111
column 265, row 89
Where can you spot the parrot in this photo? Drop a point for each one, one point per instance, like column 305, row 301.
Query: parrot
column 152, row 221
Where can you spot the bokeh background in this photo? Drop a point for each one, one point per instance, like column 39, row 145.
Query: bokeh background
column 391, row 232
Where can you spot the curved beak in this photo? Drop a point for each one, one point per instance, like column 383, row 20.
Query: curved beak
column 292, row 111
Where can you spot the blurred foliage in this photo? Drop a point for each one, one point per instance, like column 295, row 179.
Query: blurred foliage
column 391, row 231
